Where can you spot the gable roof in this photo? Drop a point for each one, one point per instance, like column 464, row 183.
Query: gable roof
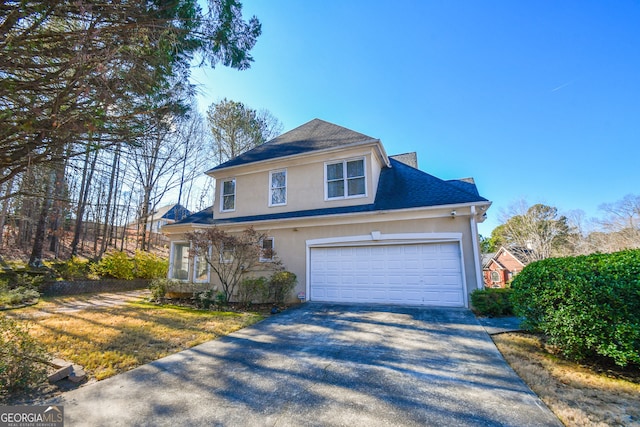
column 517, row 253
column 311, row 136
column 487, row 258
column 399, row 187
column 171, row 212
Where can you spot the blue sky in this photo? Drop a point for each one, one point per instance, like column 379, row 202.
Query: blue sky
column 534, row 99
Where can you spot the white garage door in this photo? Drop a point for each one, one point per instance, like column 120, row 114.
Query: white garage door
column 420, row 274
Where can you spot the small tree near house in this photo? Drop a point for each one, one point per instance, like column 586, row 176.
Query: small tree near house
column 232, row 256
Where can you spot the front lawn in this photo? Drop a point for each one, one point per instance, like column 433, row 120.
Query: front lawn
column 579, row 395
column 114, row 339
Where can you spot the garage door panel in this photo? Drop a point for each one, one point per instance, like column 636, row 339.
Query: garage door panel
column 421, row 274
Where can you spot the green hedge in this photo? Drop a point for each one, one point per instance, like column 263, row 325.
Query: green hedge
column 119, row 265
column 492, row 302
column 587, row 306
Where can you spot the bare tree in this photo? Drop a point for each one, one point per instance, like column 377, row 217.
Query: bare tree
column 196, row 152
column 622, row 222
column 231, row 256
column 80, row 77
column 538, row 232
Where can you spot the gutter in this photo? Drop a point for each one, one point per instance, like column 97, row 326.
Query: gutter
column 447, row 208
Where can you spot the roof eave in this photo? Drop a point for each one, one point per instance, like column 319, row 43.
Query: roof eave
column 446, row 207
column 381, row 151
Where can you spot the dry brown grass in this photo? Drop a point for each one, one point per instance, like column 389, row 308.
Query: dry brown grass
column 113, row 339
column 578, row 395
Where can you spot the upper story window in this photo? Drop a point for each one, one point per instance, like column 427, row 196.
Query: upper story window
column 228, row 196
column 345, row 179
column 278, row 187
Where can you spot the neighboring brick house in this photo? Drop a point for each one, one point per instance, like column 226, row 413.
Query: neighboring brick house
column 499, row 269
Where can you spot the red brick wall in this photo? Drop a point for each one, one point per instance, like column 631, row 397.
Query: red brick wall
column 487, row 276
column 509, row 262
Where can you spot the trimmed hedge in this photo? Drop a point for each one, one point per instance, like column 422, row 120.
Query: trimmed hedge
column 587, row 306
column 492, row 302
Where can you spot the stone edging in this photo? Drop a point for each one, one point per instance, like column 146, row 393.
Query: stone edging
column 91, row 286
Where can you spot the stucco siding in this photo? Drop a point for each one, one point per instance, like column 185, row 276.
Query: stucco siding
column 305, row 184
column 290, row 240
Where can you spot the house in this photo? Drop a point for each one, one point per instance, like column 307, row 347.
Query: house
column 353, row 223
column 165, row 215
column 501, row 267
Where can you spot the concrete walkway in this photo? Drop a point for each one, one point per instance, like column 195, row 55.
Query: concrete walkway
column 324, row 365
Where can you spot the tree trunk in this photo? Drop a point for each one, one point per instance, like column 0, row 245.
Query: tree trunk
column 56, row 214
column 5, row 209
column 35, row 260
column 82, row 199
column 112, row 178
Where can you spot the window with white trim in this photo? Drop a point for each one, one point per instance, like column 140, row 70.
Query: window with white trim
column 179, row 268
column 201, row 267
column 267, row 249
column 495, row 276
column 278, row 187
column 228, row 195
column 227, row 254
column 345, row 179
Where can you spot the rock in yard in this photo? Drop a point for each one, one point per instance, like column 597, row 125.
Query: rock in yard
column 61, row 373
column 77, row 374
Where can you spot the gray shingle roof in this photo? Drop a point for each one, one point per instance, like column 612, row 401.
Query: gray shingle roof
column 312, row 136
column 400, row 187
column 466, row 184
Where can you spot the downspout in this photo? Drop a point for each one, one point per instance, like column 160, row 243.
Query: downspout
column 476, row 248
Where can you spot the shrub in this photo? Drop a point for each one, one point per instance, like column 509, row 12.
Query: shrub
column 281, row 284
column 492, row 302
column 158, row 288
column 24, row 290
column 149, row 266
column 205, row 299
column 74, row 268
column 115, row 265
column 587, row 306
column 253, row 289
column 221, row 299
column 22, row 358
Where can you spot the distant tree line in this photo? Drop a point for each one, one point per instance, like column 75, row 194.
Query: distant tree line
column 540, row 231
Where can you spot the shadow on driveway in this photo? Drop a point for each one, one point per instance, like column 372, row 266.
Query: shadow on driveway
column 324, row 365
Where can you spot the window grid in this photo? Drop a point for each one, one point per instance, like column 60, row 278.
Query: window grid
column 266, row 249
column 345, row 179
column 180, row 261
column 278, row 188
column 228, row 195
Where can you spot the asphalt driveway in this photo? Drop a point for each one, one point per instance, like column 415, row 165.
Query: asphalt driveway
column 324, row 365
